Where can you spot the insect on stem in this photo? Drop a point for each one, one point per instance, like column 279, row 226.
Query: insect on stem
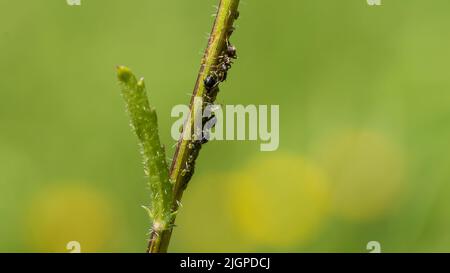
column 216, row 62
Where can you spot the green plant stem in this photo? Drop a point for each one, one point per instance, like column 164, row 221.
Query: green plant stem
column 144, row 123
column 187, row 150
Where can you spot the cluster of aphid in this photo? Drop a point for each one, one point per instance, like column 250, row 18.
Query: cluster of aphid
column 211, row 83
column 188, row 171
column 220, row 73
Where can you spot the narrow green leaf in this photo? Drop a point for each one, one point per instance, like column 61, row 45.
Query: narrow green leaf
column 144, row 123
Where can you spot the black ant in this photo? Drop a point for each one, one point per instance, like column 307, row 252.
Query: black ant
column 210, row 82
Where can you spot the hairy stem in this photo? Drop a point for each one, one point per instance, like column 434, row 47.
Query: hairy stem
column 188, row 148
column 144, row 123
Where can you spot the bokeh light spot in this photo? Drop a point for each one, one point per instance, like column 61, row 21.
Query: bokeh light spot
column 62, row 214
column 367, row 174
column 279, row 201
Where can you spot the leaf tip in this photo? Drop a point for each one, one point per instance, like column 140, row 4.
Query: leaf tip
column 124, row 74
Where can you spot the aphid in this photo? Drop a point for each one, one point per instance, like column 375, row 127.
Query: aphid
column 226, row 59
column 219, row 74
column 191, row 146
column 230, row 31
column 224, row 63
column 225, row 66
column 190, row 159
column 231, row 51
column 222, row 71
column 224, row 75
column 210, row 82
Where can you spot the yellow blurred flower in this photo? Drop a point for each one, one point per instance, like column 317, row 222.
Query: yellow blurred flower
column 367, row 174
column 203, row 225
column 70, row 213
column 279, row 200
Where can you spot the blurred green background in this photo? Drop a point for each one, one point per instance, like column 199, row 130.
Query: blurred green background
column 364, row 95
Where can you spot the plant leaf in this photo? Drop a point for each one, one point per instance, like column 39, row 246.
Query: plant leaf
column 144, row 123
